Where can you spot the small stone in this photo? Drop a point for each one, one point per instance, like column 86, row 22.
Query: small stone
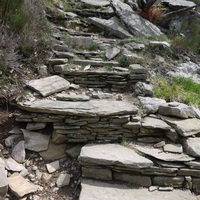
column 35, row 126
column 9, row 141
column 173, row 148
column 165, row 188
column 53, row 166
column 18, row 152
column 153, row 188
column 46, row 177
column 112, row 52
column 74, row 86
column 3, row 183
column 38, row 174
column 74, row 152
column 63, row 179
column 159, row 144
column 12, row 165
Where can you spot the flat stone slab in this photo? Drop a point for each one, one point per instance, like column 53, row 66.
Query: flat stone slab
column 185, row 127
column 179, row 3
column 111, row 25
column 192, row 146
column 20, row 186
column 105, row 191
column 72, row 97
column 49, row 85
column 153, row 123
column 35, row 141
column 96, row 3
column 112, row 154
column 177, row 109
column 101, row 107
column 159, row 154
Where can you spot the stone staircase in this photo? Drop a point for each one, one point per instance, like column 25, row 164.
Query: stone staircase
column 153, row 151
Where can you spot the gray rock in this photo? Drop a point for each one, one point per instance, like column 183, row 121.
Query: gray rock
column 15, row 130
column 137, row 25
column 49, row 85
column 173, row 148
column 3, row 183
column 59, row 138
column 135, row 46
column 54, row 152
column 35, row 141
column 89, row 108
column 165, row 188
column 168, row 181
column 18, row 152
column 193, row 164
column 159, row 144
column 53, row 166
column 97, row 173
column 159, row 154
column 133, row 4
column 143, row 89
column 136, row 180
column 185, row 127
column 178, row 3
column 176, row 109
column 111, row 25
column 72, row 97
column 134, row 58
column 20, row 186
column 149, row 139
column 159, row 44
column 196, row 185
column 172, row 135
column 112, row 52
column 192, row 146
column 137, row 69
column 96, row 3
column 188, row 70
column 153, row 123
column 12, row 165
column 9, row 141
column 74, row 152
column 120, row 6
column 35, row 126
column 42, row 70
column 112, row 154
column 106, row 191
column 151, row 105
column 63, row 180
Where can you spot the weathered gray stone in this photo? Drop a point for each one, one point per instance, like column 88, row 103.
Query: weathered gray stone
column 72, row 97
column 159, row 144
column 150, row 105
column 193, row 164
column 159, row 44
column 35, row 141
column 137, row 69
column 63, row 180
column 192, row 146
column 150, row 139
column 12, row 165
column 105, row 191
column 112, row 154
column 185, row 127
column 54, row 152
column 157, row 153
column 49, row 85
column 172, row 135
column 20, row 186
column 165, row 188
column 96, row 3
column 189, row 172
column 196, row 184
column 134, row 58
column 97, row 173
column 112, row 52
column 53, row 166
column 176, row 109
column 80, row 41
column 35, row 126
column 153, row 123
column 59, row 138
column 75, row 151
column 173, row 148
column 178, row 3
column 138, row 25
column 119, row 6
column 18, row 152
column 168, row 181
column 136, row 180
column 9, row 141
column 143, row 89
column 89, row 108
column 3, row 183
column 111, row 25
column 169, row 164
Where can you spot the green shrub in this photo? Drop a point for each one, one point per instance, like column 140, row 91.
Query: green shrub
column 123, row 61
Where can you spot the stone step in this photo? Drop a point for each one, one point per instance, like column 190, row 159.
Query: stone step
column 95, row 190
